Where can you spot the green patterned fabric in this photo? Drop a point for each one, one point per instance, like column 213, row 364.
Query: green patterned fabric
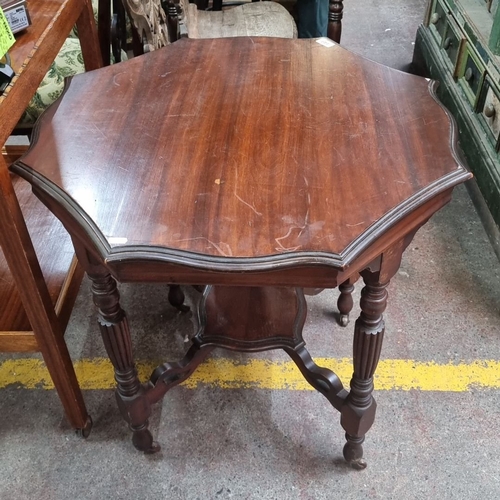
column 69, row 62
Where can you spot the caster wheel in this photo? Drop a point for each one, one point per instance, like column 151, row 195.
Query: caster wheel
column 353, row 452
column 143, row 441
column 358, row 463
column 155, row 448
column 85, row 431
column 344, row 319
column 183, row 308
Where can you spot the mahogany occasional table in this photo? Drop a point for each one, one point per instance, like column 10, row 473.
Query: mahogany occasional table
column 257, row 166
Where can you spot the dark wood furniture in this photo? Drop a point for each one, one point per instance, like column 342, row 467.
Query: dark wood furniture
column 39, row 281
column 335, row 14
column 255, row 165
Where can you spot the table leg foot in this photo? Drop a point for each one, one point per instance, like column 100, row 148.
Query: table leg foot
column 84, row 432
column 344, row 319
column 142, row 439
column 176, row 298
column 353, row 452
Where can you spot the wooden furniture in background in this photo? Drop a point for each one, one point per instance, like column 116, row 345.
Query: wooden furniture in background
column 155, row 23
column 39, row 281
column 156, row 27
column 249, row 19
column 335, row 13
column 275, row 164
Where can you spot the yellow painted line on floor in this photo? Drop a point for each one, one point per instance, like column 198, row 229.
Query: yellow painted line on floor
column 392, row 374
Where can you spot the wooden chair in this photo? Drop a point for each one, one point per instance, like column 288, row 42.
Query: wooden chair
column 33, row 316
column 39, row 278
column 333, row 11
column 156, row 28
column 248, row 19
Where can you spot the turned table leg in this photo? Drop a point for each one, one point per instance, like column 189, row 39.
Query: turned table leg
column 130, row 394
column 358, row 412
column 345, row 302
column 335, row 13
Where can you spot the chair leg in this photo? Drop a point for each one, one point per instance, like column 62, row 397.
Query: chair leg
column 63, row 375
column 335, row 14
column 21, row 259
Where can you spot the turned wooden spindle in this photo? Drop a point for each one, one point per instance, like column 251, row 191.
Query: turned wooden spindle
column 345, row 302
column 335, row 13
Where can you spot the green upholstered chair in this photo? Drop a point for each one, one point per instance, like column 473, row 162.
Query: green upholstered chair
column 68, row 62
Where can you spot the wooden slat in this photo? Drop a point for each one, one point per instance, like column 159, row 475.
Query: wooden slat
column 68, row 293
column 55, row 253
column 13, row 152
column 18, row 342
column 22, row 277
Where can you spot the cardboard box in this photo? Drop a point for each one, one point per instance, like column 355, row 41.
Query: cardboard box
column 16, row 13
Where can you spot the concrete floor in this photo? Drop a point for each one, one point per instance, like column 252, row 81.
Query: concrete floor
column 279, row 444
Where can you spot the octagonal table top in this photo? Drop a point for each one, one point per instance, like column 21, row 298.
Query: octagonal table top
column 244, row 149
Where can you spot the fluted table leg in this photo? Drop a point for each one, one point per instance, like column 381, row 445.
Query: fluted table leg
column 358, row 412
column 113, row 323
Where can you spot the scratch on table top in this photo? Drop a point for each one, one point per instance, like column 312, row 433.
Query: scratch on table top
column 115, row 77
column 301, row 228
column 248, row 205
column 227, row 253
column 181, row 114
column 339, row 153
column 426, row 122
column 306, row 109
column 281, row 248
column 99, row 130
column 251, row 206
column 278, row 240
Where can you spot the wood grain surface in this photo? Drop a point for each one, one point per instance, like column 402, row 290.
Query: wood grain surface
column 54, row 251
column 246, row 148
